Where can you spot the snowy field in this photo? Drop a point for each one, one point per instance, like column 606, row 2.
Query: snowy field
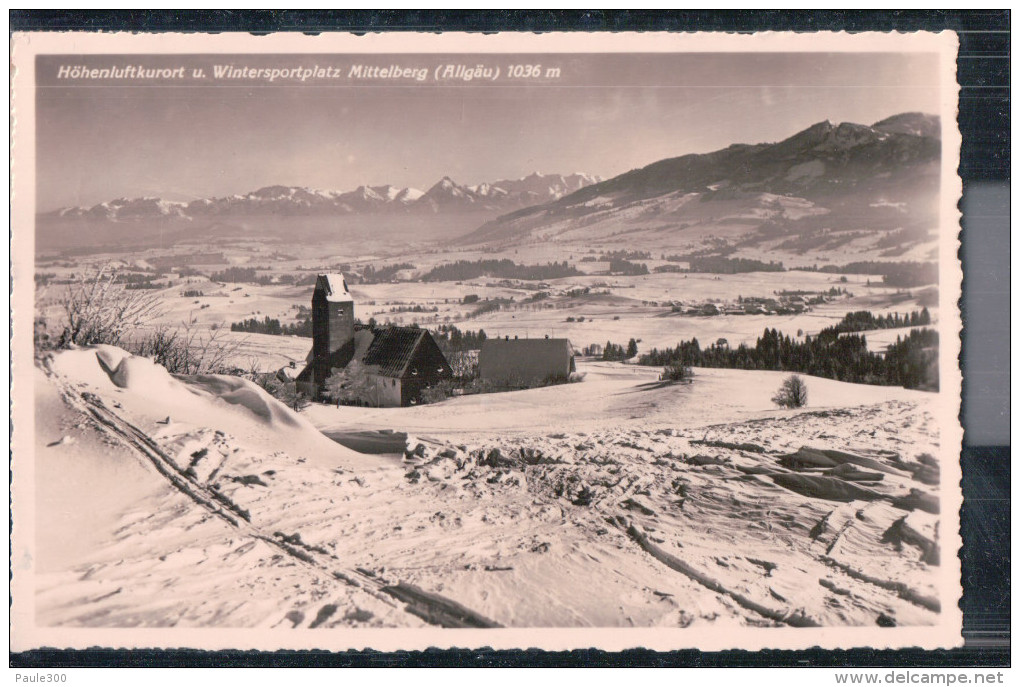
column 613, row 502
column 616, row 309
column 617, row 501
column 612, row 396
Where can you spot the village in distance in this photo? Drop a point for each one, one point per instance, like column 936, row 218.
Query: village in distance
column 696, row 394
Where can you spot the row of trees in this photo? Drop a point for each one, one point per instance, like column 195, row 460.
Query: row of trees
column 864, row 320
column 721, row 265
column 903, row 274
column 250, row 275
column 371, row 275
column 132, row 280
column 911, row 362
column 236, row 275
column 617, row 352
column 504, row 269
column 453, row 340
column 271, row 325
column 626, row 255
column 626, row 267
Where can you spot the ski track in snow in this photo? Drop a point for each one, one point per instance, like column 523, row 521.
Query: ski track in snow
column 211, row 521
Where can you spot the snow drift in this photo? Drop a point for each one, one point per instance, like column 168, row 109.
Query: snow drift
column 172, row 405
column 211, row 504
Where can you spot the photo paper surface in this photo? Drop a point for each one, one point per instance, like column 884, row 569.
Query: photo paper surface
column 451, row 340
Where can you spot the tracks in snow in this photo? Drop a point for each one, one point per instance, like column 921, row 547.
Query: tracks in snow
column 671, row 561
column 432, row 608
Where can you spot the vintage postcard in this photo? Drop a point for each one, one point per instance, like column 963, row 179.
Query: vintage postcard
column 399, row 341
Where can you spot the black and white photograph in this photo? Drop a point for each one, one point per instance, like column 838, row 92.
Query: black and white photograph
column 627, row 340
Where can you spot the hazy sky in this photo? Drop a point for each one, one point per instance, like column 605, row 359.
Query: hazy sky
column 604, row 115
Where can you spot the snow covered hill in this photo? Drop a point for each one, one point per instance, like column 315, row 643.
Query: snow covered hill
column 845, row 183
column 913, row 123
column 128, row 210
column 202, row 502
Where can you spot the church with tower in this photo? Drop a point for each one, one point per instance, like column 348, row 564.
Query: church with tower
column 397, row 363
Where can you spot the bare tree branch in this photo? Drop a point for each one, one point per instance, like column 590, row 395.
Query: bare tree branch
column 98, row 310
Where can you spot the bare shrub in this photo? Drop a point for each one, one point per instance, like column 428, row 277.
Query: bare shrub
column 285, row 392
column 99, row 310
column 676, row 372
column 792, row 394
column 188, row 350
column 464, row 364
column 440, row 391
column 350, row 384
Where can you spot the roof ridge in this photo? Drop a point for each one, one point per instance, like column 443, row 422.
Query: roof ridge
column 394, row 345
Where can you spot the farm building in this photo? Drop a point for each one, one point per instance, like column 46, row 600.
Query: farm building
column 400, row 363
column 393, row 364
column 525, row 361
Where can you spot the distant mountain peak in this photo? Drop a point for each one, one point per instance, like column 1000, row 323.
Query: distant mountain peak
column 446, row 195
column 823, row 161
column 912, row 123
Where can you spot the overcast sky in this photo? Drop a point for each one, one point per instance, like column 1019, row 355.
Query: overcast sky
column 605, row 115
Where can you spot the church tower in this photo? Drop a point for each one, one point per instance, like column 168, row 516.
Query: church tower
column 332, row 322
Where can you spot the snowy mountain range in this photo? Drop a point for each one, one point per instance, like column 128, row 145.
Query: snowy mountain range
column 445, row 196
column 829, row 178
column 846, row 191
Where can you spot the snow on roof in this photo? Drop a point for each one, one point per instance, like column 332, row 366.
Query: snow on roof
column 335, row 287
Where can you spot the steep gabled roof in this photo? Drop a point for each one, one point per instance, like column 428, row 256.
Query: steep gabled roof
column 393, row 349
column 335, row 288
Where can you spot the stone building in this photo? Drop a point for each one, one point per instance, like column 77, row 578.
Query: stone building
column 395, row 363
